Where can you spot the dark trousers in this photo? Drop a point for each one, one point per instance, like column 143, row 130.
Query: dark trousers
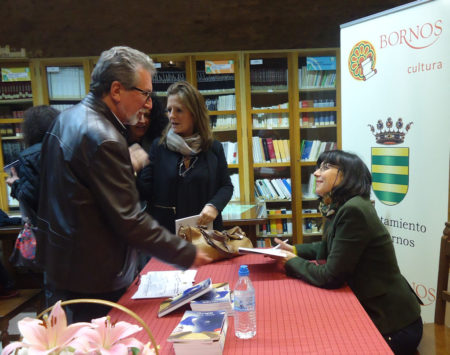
column 406, row 340
column 82, row 312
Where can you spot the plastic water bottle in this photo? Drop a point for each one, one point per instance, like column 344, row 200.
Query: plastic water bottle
column 244, row 306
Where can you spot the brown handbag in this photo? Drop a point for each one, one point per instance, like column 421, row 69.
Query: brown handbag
column 217, row 245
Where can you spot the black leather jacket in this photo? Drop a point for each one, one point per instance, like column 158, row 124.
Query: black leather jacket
column 89, row 213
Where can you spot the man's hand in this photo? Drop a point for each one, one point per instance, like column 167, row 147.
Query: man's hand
column 284, row 245
column 201, row 259
column 139, row 158
column 13, row 177
column 208, row 214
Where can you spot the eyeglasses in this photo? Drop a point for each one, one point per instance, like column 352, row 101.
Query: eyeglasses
column 144, row 92
column 324, row 167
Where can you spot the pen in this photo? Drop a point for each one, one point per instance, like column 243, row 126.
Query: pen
column 284, row 241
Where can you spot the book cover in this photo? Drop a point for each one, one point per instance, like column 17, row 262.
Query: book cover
column 276, row 147
column 199, row 326
column 220, row 292
column 266, row 150
column 271, row 149
column 218, row 299
column 187, row 295
column 286, row 150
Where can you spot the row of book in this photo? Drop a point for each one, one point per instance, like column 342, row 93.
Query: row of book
column 236, row 191
column 15, row 90
column 281, row 106
column 311, row 149
column 273, row 189
column 271, row 120
column 11, row 150
column 268, row 150
column 317, row 103
column 231, row 152
column 268, row 79
column 309, row 189
column 10, row 129
column 65, row 82
column 215, row 81
column 223, row 122
column 317, row 119
column 221, row 103
column 277, row 226
column 308, row 79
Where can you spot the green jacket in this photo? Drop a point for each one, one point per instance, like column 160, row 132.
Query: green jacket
column 358, row 250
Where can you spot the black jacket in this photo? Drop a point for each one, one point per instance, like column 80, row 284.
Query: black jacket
column 171, row 196
column 89, row 211
column 26, row 188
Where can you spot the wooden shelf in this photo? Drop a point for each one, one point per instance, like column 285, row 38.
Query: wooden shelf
column 16, row 101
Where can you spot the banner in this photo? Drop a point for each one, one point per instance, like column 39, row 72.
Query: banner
column 395, row 94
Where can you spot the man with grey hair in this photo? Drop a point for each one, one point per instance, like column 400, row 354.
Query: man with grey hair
column 89, row 217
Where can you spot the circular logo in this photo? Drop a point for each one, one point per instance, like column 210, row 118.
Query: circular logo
column 362, row 60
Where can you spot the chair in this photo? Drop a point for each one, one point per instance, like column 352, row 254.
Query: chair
column 27, row 299
column 443, row 296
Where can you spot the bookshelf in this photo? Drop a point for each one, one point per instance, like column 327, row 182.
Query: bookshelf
column 287, row 97
column 17, row 93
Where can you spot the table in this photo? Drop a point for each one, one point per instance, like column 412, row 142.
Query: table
column 292, row 316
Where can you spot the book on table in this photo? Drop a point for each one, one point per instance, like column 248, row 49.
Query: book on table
column 263, row 251
column 186, row 296
column 218, row 299
column 200, row 333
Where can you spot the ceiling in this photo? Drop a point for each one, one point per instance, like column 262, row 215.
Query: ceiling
column 68, row 28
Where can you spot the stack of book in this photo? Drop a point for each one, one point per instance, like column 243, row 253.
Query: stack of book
column 218, row 299
column 200, row 333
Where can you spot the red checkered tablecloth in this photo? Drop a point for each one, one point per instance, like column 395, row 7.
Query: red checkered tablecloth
column 292, row 316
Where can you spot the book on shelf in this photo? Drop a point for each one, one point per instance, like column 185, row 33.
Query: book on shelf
column 286, row 150
column 271, row 149
column 236, row 191
column 265, row 150
column 218, row 299
column 200, row 333
column 186, row 296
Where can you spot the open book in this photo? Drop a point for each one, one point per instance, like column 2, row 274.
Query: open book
column 187, row 295
column 264, row 251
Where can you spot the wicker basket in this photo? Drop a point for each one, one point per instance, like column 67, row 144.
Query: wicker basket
column 110, row 304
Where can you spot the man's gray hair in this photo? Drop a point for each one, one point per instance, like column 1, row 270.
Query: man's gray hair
column 119, row 64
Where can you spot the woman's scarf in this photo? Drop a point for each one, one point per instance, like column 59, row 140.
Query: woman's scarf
column 188, row 146
column 326, row 206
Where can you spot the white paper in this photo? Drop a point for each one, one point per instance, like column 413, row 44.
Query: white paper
column 156, row 284
column 190, row 222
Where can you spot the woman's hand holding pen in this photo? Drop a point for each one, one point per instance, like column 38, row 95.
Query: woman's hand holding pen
column 289, row 251
column 283, row 245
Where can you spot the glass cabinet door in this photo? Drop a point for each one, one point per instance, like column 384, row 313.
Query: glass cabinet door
column 217, row 81
column 270, row 143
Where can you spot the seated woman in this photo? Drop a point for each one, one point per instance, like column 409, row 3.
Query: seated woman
column 188, row 172
column 357, row 250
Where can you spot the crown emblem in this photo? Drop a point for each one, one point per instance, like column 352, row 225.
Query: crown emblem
column 390, row 135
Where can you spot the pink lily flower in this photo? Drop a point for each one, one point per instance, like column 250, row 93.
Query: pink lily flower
column 50, row 335
column 111, row 339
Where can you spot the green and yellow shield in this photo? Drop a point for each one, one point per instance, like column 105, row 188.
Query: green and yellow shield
column 390, row 174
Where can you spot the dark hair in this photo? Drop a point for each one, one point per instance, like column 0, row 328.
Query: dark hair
column 37, row 120
column 158, row 121
column 356, row 177
column 195, row 103
column 119, row 64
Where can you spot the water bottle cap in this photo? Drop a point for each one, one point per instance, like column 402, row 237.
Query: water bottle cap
column 243, row 270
